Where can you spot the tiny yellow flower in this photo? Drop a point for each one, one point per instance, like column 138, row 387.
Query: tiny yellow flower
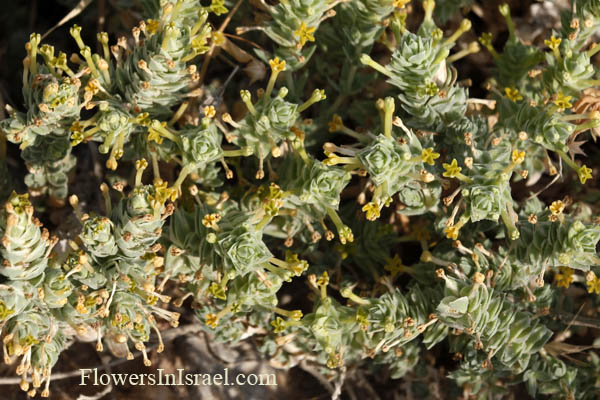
column 305, row 33
column 372, row 210
column 218, row 38
column 218, row 7
column 279, row 325
column 141, row 164
column 401, row 3
column 209, row 111
column 163, row 193
column 153, row 135
column 212, row 320
column 394, row 265
column 452, row 232
column 336, row 123
column 277, row 65
column 557, row 207
column 331, row 159
column 562, row 101
column 553, row 43
column 295, row 315
column 564, row 277
column 76, row 138
column 323, row 279
column 593, row 285
column 152, row 25
column 486, row 39
column 518, row 157
column 513, row 94
column 429, row 156
column 452, row 169
column 93, row 86
column 584, row 174
column 210, row 220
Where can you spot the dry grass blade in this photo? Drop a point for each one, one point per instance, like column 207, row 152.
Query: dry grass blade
column 72, row 14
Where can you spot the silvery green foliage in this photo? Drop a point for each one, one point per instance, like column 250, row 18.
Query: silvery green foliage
column 313, row 185
column 53, row 104
column 25, row 246
column 240, row 246
column 52, row 101
column 50, row 163
column 479, row 257
column 138, row 221
column 355, row 28
column 201, row 146
column 497, row 325
column 161, row 60
column 97, row 235
column 273, row 119
column 293, row 26
column 418, row 68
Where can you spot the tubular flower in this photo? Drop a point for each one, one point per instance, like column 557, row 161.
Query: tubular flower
column 564, row 277
column 305, row 33
column 553, row 43
column 336, row 123
column 429, row 156
column 584, row 174
column 557, row 207
column 518, row 157
column 513, row 94
column 372, row 210
column 593, row 284
column 562, row 101
column 452, row 169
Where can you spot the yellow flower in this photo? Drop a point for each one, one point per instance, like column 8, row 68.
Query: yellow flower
column 210, row 220
column 279, row 325
column 336, row 123
column 372, row 210
column 163, row 193
column 518, row 157
column 486, row 39
column 513, row 94
column 553, row 43
column 209, row 111
column 564, row 277
column 452, row 169
column 331, row 159
column 429, row 156
column 212, row 320
column 323, row 279
column 277, row 65
column 584, row 174
column 141, row 164
column 401, row 3
column 562, row 101
column 452, row 232
column 394, row 265
column 305, row 33
column 93, row 86
column 593, row 284
column 218, row 7
column 153, row 135
column 152, row 25
column 218, row 38
column 557, row 207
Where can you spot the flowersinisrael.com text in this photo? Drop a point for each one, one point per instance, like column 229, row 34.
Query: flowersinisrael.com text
column 91, row 376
